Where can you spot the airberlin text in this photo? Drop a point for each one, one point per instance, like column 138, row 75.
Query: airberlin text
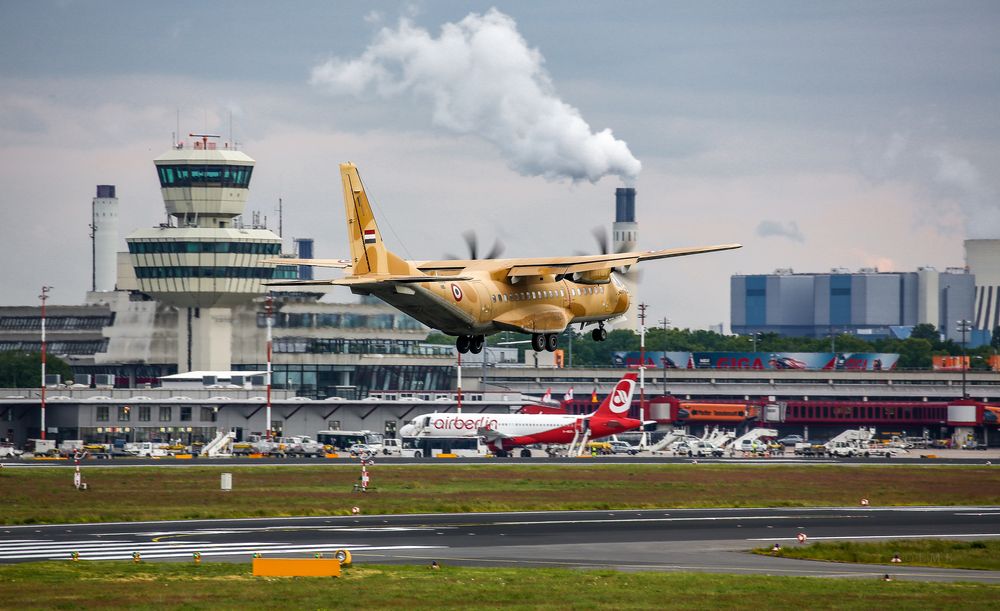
column 464, row 424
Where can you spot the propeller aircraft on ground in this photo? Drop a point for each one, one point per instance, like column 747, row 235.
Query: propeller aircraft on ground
column 473, row 298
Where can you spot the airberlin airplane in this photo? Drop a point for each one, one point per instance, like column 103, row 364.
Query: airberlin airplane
column 504, row 432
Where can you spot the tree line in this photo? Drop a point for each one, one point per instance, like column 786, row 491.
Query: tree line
column 24, row 369
column 915, row 352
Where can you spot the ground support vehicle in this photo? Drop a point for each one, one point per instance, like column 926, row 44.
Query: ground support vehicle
column 808, row 448
column 7, row 450
column 428, row 446
column 623, row 447
column 700, row 449
column 146, row 449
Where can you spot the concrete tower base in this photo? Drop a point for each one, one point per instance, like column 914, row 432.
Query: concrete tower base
column 205, row 339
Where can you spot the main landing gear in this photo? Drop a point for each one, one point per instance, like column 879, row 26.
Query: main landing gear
column 600, row 333
column 544, row 341
column 470, row 343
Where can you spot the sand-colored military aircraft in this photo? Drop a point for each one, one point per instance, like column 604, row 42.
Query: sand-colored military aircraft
column 473, row 298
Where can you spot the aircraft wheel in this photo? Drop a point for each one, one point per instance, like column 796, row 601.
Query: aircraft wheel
column 537, row 342
column 603, row 334
column 525, row 453
column 463, row 343
column 551, row 342
column 476, row 345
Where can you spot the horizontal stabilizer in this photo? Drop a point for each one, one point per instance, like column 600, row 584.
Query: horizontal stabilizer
column 337, row 263
column 368, row 280
column 299, row 283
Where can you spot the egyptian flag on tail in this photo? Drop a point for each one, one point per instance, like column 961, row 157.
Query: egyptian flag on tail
column 369, row 236
column 569, row 394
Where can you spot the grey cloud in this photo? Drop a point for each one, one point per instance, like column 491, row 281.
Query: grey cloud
column 920, row 156
column 776, row 229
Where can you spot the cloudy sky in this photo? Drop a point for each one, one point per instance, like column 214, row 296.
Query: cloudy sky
column 817, row 134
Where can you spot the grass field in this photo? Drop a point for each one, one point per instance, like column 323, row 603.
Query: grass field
column 67, row 585
column 33, row 496
column 982, row 555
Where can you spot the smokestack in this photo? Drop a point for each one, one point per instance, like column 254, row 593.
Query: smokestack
column 626, row 233
column 304, row 250
column 625, row 205
column 104, row 233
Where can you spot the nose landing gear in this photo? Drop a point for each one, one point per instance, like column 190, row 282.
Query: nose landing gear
column 600, row 333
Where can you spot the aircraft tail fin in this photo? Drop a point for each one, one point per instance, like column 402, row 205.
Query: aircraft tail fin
column 368, row 252
column 619, row 401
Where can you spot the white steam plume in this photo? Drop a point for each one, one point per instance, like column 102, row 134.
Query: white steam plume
column 481, row 77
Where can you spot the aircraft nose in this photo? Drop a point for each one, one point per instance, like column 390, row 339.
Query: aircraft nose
column 623, row 301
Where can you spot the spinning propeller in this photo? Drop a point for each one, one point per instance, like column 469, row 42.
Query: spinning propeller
column 472, row 242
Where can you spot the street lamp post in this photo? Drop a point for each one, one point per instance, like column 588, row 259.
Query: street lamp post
column 43, row 297
column 666, row 341
column 642, row 356
column 269, row 302
column 964, row 326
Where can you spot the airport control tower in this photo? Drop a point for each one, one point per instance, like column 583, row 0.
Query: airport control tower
column 199, row 261
column 625, row 232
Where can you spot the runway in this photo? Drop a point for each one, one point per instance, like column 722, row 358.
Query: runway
column 710, row 540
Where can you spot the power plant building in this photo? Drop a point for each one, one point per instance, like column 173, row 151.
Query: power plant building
column 868, row 303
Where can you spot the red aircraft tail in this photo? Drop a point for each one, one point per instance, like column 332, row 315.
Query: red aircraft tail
column 619, row 401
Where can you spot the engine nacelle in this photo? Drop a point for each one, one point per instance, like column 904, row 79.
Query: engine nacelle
column 597, row 276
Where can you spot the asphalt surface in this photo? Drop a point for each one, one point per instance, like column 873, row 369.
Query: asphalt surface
column 711, row 540
column 914, row 458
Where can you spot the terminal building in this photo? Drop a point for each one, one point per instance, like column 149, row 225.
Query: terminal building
column 868, row 303
column 187, row 298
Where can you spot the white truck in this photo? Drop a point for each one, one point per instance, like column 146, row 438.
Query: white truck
column 7, row 450
column 859, row 442
column 303, row 445
column 392, row 447
column 146, row 449
column 701, row 449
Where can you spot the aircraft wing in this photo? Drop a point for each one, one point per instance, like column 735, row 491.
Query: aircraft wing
column 337, row 263
column 370, row 280
column 567, row 265
column 490, row 434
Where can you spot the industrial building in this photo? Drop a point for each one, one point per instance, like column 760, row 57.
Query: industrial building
column 982, row 258
column 868, row 303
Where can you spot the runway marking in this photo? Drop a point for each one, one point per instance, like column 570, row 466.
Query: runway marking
column 665, row 510
column 924, row 536
column 691, row 519
column 996, row 513
column 123, row 550
column 159, row 535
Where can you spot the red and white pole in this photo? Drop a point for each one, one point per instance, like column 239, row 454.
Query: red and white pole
column 43, row 297
column 642, row 360
column 267, row 427
column 460, row 382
